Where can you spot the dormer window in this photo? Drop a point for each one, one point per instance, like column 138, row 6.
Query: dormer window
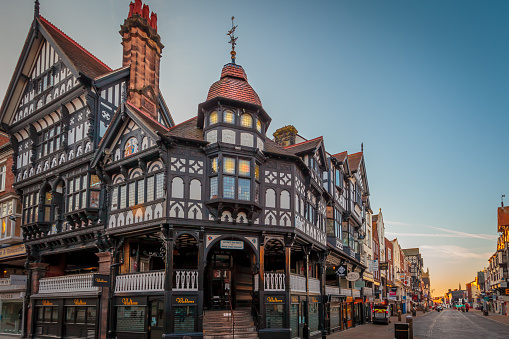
column 213, row 118
column 229, row 117
column 246, row 120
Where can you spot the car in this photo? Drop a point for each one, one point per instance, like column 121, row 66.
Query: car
column 381, row 314
column 439, row 308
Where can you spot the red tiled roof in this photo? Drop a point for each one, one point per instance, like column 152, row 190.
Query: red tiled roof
column 186, row 130
column 82, row 59
column 341, row 156
column 233, row 85
column 354, row 160
column 304, row 146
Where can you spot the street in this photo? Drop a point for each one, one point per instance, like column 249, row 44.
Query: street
column 448, row 324
column 456, row 324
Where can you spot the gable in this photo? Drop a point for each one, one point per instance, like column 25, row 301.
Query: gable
column 130, row 140
column 49, row 79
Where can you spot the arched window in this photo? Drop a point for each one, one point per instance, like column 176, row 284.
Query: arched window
column 229, row 117
column 195, row 190
column 258, row 126
column 270, row 198
column 213, row 118
column 131, row 147
column 177, row 188
column 285, row 200
column 246, row 120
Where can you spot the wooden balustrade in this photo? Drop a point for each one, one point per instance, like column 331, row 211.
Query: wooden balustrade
column 314, row 285
column 334, row 290
column 140, row 282
column 67, row 283
column 274, row 281
column 185, row 280
column 297, row 283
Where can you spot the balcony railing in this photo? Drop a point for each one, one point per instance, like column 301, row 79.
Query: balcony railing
column 331, row 290
column 140, row 282
column 297, row 283
column 185, row 280
column 274, row 281
column 9, row 284
column 346, row 291
column 314, row 285
column 68, row 283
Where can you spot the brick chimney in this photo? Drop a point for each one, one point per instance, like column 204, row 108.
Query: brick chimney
column 285, row 136
column 142, row 51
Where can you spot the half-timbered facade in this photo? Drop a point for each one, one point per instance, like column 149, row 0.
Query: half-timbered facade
column 139, row 228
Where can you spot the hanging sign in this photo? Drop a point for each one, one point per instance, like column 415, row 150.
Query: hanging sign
column 384, row 266
column 341, row 272
column 232, row 245
column 352, row 276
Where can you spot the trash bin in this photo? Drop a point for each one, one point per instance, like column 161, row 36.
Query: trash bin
column 410, row 322
column 414, row 312
column 401, row 331
column 485, row 312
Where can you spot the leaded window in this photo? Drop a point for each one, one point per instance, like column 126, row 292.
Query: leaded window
column 258, row 126
column 122, row 196
column 213, row 118
column 229, row 117
column 114, row 198
column 213, row 188
column 132, row 194
column 159, row 185
column 141, row 191
column 150, row 189
column 246, row 120
column 48, row 141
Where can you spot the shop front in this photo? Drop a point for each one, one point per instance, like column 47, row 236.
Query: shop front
column 333, row 313
column 359, row 311
column 297, row 316
column 139, row 316
column 66, row 317
column 348, row 309
column 11, row 312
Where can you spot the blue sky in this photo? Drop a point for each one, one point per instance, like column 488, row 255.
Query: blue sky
column 423, row 84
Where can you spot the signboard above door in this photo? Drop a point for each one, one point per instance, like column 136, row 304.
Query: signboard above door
column 231, row 245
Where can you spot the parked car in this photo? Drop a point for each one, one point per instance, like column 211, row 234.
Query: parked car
column 381, row 314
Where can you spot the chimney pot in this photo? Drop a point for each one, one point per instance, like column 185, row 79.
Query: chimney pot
column 131, row 9
column 137, row 7
column 146, row 12
column 153, row 21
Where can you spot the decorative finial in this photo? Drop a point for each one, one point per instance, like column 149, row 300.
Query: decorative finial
column 233, row 40
column 502, row 198
column 362, row 147
column 36, row 9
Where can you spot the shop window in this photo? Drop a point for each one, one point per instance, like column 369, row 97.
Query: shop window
column 130, row 319
column 274, row 317
column 246, row 120
column 313, row 317
column 184, row 318
column 10, row 321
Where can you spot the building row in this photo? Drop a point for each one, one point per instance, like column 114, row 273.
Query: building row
column 489, row 289
column 117, row 222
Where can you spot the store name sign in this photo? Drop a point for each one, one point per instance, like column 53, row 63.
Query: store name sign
column 128, row 301
column 101, row 280
column 47, row 303
column 184, row 301
column 79, row 302
column 18, row 295
column 12, row 251
column 232, row 245
column 274, row 300
column 352, row 276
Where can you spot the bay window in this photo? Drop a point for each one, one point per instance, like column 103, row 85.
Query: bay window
column 235, row 177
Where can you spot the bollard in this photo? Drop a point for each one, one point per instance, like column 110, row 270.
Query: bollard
column 410, row 322
column 401, row 331
column 399, row 315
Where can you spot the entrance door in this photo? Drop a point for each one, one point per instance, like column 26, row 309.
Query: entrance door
column 156, row 318
column 221, row 288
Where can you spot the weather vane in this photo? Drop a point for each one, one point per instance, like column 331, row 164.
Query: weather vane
column 233, row 40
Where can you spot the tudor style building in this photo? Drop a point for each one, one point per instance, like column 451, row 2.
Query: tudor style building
column 139, row 228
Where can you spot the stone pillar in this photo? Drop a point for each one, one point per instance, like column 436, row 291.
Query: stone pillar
column 102, row 312
column 36, row 271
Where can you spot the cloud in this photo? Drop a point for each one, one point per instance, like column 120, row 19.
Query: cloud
column 451, row 252
column 449, row 233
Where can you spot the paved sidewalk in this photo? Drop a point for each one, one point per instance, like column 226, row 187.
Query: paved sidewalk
column 493, row 316
column 371, row 331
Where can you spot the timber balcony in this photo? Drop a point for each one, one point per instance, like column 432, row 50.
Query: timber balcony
column 68, row 283
column 275, row 282
column 183, row 280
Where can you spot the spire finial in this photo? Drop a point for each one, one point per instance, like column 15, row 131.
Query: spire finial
column 502, row 198
column 362, row 147
column 36, row 9
column 233, row 40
